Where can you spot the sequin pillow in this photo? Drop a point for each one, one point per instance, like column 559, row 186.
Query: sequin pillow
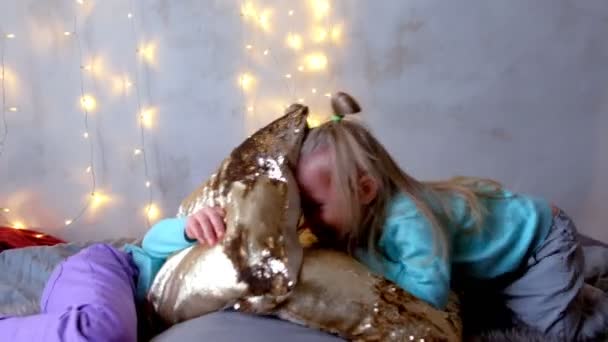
column 337, row 294
column 256, row 264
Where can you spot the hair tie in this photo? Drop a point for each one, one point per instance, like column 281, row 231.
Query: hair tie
column 337, row 118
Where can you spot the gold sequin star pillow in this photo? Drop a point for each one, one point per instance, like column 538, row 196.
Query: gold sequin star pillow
column 256, row 264
column 337, row 294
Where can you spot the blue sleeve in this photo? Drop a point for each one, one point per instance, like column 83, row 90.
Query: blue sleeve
column 166, row 237
column 411, row 260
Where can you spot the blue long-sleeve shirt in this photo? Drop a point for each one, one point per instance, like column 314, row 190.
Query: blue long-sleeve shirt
column 160, row 242
column 514, row 225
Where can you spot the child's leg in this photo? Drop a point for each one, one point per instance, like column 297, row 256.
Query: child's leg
column 89, row 297
column 551, row 296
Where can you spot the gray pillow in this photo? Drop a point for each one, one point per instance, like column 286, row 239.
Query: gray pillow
column 231, row 326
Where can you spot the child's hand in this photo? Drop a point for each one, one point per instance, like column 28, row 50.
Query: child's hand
column 206, row 226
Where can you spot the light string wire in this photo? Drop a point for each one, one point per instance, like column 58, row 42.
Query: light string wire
column 142, row 132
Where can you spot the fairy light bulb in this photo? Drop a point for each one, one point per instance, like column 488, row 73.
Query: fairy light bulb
column 137, row 151
column 85, row 135
column 6, row 210
column 336, row 33
column 67, row 33
column 249, row 47
column 13, row 109
column 68, row 222
column 264, row 20
column 300, row 68
column 147, row 52
column 88, row 103
column 320, row 8
column 246, row 81
column 316, row 61
column 148, row 184
column 250, row 109
column 313, row 121
column 10, row 36
column 287, row 75
column 147, row 117
column 88, row 170
column 294, row 41
column 39, row 236
column 152, row 212
column 319, row 34
column 129, row 15
column 266, row 52
column 327, row 94
column 80, row 2
column 314, row 90
column 98, row 199
column 18, row 225
column 290, row 13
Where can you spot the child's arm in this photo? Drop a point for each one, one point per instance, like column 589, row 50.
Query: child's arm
column 166, row 237
column 413, row 261
column 174, row 234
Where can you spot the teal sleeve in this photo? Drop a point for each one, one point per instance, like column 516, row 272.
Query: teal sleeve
column 411, row 260
column 166, row 237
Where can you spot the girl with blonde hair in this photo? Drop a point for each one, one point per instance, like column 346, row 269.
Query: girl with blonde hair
column 522, row 252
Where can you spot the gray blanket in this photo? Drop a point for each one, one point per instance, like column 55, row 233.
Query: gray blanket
column 24, row 272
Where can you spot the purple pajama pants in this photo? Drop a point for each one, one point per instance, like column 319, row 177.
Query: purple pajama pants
column 89, row 297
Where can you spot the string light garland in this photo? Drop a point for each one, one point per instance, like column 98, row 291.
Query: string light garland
column 3, row 121
column 87, row 104
column 147, row 53
column 310, row 60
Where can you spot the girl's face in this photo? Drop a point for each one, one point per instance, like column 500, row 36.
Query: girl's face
column 321, row 202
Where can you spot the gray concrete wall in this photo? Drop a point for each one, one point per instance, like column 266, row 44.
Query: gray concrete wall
column 514, row 90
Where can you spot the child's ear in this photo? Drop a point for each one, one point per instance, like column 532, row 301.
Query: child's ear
column 368, row 189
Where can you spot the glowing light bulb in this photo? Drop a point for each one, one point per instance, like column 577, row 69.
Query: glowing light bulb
column 249, row 47
column 6, row 210
column 336, row 33
column 290, row 13
column 301, row 100
column 129, row 15
column 250, row 109
column 327, row 94
column 147, row 52
column 137, row 151
column 10, row 35
column 13, row 109
column 287, row 75
column 39, row 236
column 316, row 61
column 264, row 20
column 147, row 117
column 148, row 184
column 300, row 68
column 313, row 122
column 314, row 90
column 246, row 81
column 320, row 8
column 18, row 225
column 294, row 41
column 248, row 10
column 319, row 34
column 88, row 170
column 80, row 1
column 67, row 33
column 152, row 211
column 266, row 52
column 85, row 135
column 98, row 199
column 68, row 222
column 88, row 103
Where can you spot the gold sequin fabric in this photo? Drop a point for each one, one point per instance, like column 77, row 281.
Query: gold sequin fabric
column 256, row 264
column 337, row 294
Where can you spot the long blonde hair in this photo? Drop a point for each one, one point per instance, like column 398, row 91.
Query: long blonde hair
column 355, row 151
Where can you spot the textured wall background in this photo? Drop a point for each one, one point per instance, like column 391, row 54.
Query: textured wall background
column 514, row 90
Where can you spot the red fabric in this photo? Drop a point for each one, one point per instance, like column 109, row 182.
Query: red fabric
column 17, row 238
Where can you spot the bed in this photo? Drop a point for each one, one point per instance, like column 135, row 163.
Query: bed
column 24, row 271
